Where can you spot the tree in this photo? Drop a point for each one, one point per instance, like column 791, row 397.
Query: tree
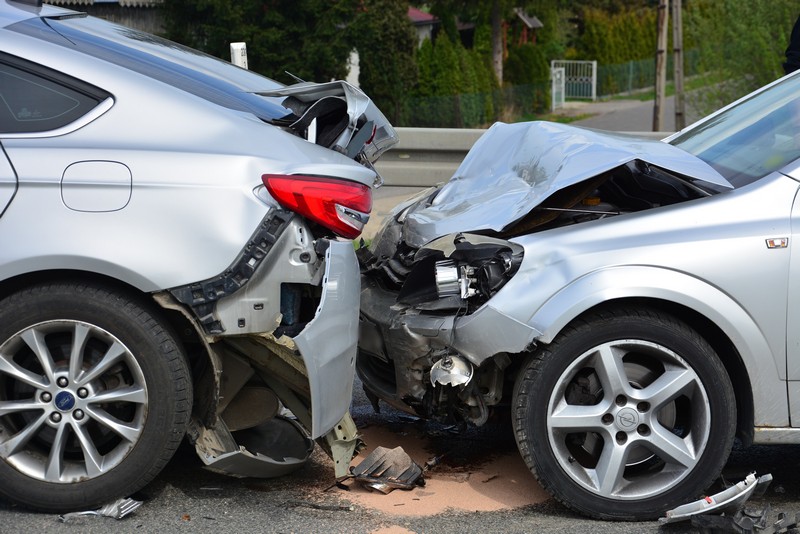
column 386, row 43
column 495, row 12
column 740, row 45
column 303, row 37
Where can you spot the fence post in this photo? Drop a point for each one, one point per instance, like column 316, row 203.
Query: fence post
column 594, row 81
column 239, row 54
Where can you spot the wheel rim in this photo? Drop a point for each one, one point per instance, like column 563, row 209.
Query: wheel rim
column 73, row 401
column 628, row 419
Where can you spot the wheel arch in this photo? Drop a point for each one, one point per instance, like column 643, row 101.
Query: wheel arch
column 732, row 332
column 719, row 341
column 183, row 330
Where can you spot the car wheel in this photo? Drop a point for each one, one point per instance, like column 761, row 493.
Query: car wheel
column 94, row 396
column 625, row 415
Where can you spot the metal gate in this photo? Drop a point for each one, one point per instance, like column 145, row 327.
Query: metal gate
column 580, row 78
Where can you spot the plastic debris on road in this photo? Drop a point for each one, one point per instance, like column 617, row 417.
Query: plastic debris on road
column 385, row 470
column 116, row 510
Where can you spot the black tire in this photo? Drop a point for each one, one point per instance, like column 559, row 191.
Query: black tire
column 637, row 452
column 97, row 431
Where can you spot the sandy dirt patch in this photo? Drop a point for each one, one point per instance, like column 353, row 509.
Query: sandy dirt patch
column 477, row 471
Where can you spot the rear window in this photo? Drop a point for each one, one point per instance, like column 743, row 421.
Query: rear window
column 36, row 99
column 179, row 66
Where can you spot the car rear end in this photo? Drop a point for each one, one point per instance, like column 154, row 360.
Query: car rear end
column 224, row 197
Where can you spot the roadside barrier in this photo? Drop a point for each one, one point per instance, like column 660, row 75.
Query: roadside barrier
column 427, row 156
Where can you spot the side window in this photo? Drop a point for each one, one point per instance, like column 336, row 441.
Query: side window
column 35, row 99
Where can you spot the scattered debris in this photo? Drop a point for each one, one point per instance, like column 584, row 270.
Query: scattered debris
column 746, row 522
column 117, row 510
column 727, row 501
column 433, row 462
column 385, row 470
column 725, row 511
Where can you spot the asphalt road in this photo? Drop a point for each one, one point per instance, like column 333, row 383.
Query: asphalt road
column 187, row 498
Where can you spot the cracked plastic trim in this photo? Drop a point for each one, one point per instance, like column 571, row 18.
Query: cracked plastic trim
column 203, row 296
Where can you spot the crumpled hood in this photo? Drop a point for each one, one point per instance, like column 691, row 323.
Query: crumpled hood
column 514, row 167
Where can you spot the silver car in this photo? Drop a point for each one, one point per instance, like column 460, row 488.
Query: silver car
column 634, row 303
column 172, row 260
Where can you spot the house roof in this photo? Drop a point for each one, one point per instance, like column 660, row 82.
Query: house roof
column 420, row 18
column 530, row 21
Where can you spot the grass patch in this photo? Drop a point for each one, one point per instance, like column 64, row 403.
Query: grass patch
column 554, row 117
column 689, row 84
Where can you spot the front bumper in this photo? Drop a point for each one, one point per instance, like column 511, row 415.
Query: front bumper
column 399, row 344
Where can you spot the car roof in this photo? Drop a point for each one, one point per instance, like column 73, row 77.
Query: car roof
column 92, row 39
column 12, row 11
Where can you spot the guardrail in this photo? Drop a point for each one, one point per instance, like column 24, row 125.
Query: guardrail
column 428, row 156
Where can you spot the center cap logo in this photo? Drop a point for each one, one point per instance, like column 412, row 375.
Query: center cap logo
column 65, row 401
column 627, row 418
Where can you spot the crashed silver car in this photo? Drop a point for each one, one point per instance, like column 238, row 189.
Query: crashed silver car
column 176, row 259
column 632, row 302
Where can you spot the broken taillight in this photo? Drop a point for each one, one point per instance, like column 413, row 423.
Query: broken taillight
column 340, row 205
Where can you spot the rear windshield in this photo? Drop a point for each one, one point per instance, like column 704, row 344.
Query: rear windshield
column 179, row 66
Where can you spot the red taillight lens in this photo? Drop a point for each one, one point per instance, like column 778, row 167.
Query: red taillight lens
column 339, row 205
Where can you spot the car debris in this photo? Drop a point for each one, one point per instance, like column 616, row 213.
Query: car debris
column 387, row 469
column 116, row 510
column 746, row 522
column 726, row 501
column 270, row 450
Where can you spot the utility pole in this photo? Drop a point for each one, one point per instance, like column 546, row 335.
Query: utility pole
column 661, row 65
column 677, row 59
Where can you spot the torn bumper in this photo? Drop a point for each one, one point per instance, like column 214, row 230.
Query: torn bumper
column 273, row 449
column 328, row 343
column 311, row 373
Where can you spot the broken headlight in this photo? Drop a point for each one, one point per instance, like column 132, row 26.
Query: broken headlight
column 460, row 267
column 466, row 281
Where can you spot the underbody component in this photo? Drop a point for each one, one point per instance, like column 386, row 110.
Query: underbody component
column 202, row 296
column 272, row 449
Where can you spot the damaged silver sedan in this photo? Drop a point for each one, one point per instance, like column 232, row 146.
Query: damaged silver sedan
column 632, row 302
column 176, row 260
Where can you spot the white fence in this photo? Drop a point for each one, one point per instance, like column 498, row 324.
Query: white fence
column 580, row 78
column 557, row 88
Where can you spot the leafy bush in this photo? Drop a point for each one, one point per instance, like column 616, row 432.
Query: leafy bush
column 741, row 44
